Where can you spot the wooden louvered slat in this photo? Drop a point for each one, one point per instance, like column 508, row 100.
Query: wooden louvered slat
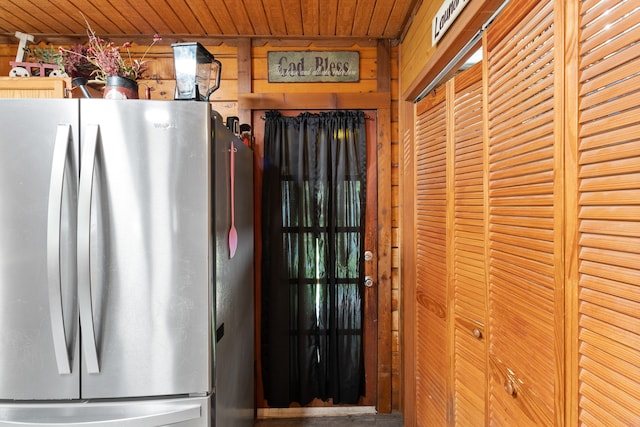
column 618, row 197
column 521, row 99
column 519, row 46
column 602, row 241
column 617, row 228
column 533, row 130
column 603, row 88
column 628, row 308
column 613, row 213
column 591, row 9
column 599, row 367
column 523, row 330
column 609, row 272
column 602, row 328
column 516, row 229
column 613, row 45
column 595, row 158
column 613, row 316
column 534, row 166
column 623, row 119
column 621, row 357
column 611, row 287
column 600, row 108
column 529, row 190
column 594, row 36
column 430, row 268
column 609, row 223
column 469, row 377
column 510, row 144
column 468, row 250
column 629, row 180
column 612, row 413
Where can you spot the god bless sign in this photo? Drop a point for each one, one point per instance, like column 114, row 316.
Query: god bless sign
column 299, row 67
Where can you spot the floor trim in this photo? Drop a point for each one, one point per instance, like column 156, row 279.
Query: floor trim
column 335, row 411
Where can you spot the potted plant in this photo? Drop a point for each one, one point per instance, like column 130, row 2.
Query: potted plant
column 43, row 61
column 113, row 65
column 75, row 63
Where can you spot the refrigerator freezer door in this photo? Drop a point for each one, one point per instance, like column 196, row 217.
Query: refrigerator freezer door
column 184, row 412
column 234, row 284
column 38, row 315
column 149, row 261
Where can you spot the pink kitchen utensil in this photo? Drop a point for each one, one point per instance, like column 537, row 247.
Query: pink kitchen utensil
column 233, row 233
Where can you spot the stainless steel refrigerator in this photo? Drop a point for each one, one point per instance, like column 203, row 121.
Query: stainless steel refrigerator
column 120, row 302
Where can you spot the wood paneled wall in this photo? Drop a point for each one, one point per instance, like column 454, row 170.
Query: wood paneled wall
column 420, row 61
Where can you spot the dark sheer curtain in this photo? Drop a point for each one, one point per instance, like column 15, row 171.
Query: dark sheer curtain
column 313, row 212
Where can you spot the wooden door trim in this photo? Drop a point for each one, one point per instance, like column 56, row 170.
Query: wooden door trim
column 314, row 101
column 381, row 102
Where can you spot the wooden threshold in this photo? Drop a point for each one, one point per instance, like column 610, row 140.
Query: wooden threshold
column 334, row 411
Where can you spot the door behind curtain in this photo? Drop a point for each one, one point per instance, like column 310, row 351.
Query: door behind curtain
column 318, row 322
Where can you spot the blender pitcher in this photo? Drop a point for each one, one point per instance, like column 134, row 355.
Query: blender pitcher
column 193, row 66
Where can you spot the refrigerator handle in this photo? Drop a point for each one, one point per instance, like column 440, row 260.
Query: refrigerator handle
column 87, row 163
column 54, row 217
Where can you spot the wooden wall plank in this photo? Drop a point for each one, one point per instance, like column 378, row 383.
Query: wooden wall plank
column 384, row 261
column 408, row 272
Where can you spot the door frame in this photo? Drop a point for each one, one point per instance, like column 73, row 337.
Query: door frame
column 380, row 104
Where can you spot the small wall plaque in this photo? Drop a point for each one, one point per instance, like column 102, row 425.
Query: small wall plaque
column 316, row 66
column 444, row 18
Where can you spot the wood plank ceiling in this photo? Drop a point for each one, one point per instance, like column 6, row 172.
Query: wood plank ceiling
column 301, row 19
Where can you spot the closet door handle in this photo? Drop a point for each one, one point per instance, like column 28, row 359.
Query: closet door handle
column 510, row 388
column 87, row 165
column 54, row 218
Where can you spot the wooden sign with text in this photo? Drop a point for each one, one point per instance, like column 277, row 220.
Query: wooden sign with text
column 316, row 66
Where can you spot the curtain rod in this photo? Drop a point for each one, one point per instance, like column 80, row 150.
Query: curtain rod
column 367, row 117
column 456, row 59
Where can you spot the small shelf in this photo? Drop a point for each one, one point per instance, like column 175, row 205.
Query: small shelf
column 34, row 87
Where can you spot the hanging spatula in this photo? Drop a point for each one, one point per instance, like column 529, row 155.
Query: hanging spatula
column 233, row 234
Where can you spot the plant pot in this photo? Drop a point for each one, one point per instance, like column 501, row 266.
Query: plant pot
column 118, row 87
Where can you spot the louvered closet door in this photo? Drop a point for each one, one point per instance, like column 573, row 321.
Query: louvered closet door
column 525, row 302
column 468, row 250
column 609, row 213
column 431, row 292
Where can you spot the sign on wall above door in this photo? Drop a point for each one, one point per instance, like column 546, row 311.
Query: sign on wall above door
column 447, row 13
column 316, row 66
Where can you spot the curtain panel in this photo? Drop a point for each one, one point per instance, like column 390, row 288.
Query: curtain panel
column 313, row 216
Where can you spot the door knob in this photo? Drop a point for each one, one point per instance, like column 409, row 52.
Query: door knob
column 510, row 388
column 368, row 281
column 368, row 255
